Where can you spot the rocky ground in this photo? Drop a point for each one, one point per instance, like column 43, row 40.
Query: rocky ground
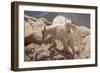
column 36, row 50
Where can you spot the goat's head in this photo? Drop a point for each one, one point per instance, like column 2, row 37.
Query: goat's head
column 68, row 25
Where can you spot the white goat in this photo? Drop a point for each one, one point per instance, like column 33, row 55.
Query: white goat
column 61, row 32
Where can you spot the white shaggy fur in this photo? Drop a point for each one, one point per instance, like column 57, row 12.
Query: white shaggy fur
column 61, row 32
column 59, row 20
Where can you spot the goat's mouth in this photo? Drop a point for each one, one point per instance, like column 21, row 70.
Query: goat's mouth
column 69, row 31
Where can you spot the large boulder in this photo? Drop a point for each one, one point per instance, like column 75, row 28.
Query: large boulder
column 85, row 51
column 42, row 53
column 79, row 33
column 29, row 52
column 33, row 27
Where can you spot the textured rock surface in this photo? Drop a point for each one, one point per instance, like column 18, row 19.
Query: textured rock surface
column 36, row 50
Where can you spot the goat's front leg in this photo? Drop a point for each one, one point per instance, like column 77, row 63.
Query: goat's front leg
column 73, row 52
column 71, row 44
column 65, row 50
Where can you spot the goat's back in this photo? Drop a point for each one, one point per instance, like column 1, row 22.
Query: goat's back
column 59, row 20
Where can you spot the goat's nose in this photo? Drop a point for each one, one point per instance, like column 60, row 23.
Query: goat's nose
column 69, row 31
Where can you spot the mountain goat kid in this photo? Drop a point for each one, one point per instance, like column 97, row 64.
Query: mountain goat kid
column 61, row 32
